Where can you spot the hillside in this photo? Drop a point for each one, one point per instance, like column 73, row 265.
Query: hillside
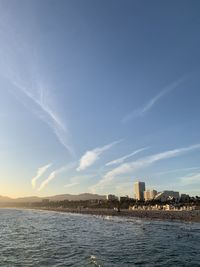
column 84, row 196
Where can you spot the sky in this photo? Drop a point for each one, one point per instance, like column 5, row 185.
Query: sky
column 95, row 95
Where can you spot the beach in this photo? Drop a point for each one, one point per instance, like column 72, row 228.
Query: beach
column 187, row 216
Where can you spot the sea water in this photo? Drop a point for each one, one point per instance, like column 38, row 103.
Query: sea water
column 45, row 238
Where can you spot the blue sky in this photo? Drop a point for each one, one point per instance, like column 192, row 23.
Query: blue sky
column 95, row 95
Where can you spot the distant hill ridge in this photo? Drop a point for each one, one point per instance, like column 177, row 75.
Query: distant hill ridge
column 84, row 196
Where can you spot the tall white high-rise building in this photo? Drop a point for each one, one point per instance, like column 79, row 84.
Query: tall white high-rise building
column 139, row 188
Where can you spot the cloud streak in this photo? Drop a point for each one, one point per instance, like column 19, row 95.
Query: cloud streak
column 176, row 170
column 49, row 116
column 39, row 174
column 71, row 185
column 133, row 166
column 151, row 103
column 122, row 159
column 91, row 156
column 45, row 182
column 54, row 174
column 193, row 178
column 19, row 66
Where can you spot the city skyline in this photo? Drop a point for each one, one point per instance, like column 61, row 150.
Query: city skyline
column 96, row 95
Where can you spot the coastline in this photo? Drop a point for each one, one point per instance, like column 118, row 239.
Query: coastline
column 184, row 216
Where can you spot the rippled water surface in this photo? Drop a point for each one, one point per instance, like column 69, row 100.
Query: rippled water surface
column 40, row 238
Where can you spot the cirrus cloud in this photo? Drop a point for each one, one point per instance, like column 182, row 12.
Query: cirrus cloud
column 122, row 159
column 133, row 166
column 91, row 156
column 39, row 174
column 150, row 104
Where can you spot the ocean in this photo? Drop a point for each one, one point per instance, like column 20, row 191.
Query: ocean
column 46, row 238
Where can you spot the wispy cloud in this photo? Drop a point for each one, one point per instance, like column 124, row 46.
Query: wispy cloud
column 40, row 172
column 122, row 159
column 71, row 185
column 150, row 104
column 19, row 66
column 192, row 178
column 49, row 115
column 91, row 156
column 45, row 182
column 79, row 180
column 53, row 175
column 131, row 167
column 176, row 171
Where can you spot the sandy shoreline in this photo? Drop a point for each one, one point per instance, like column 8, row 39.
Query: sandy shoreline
column 186, row 216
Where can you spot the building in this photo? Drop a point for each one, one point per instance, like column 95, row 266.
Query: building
column 112, row 197
column 149, row 194
column 185, row 198
column 167, row 195
column 139, row 188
